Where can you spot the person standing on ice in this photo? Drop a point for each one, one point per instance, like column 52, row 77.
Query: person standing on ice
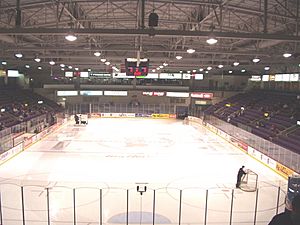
column 240, row 174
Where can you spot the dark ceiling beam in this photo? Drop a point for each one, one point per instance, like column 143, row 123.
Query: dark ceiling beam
column 150, row 32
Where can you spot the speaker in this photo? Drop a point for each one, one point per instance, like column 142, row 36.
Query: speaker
column 153, row 20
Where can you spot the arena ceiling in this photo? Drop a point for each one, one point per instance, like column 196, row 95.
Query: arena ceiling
column 245, row 29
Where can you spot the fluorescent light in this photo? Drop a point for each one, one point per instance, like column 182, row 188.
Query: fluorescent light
column 211, row 41
column 287, row 55
column 255, row 60
column 97, row 54
column 37, row 59
column 209, row 68
column 27, row 66
column 230, row 71
column 236, row 63
column 190, row 50
column 220, row 66
column 178, row 57
column 52, row 63
column 107, row 63
column 39, row 68
column 103, row 60
column 62, row 65
column 243, row 70
column 4, row 63
column 267, row 68
column 71, row 37
column 19, row 55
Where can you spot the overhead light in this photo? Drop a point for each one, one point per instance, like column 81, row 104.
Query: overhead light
column 19, row 55
column 107, row 63
column 3, row 110
column 103, row 60
column 40, row 102
column 4, row 63
column 209, row 68
column 157, row 68
column 37, row 59
column 194, row 71
column 190, row 50
column 230, row 71
column 161, row 66
column 62, row 65
column 243, row 70
column 64, row 99
column 153, row 70
column 76, row 68
column 70, row 67
column 220, row 66
column 165, row 64
column 71, row 37
column 200, row 69
column 178, row 57
column 206, row 71
column 39, row 68
column 52, row 63
column 180, row 71
column 97, row 54
column 287, row 55
column 236, row 63
column 89, row 70
column 211, row 40
column 255, row 60
column 63, row 69
column 27, row 66
column 267, row 68
column 188, row 71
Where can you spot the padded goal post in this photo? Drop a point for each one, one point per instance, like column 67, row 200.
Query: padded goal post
column 249, row 181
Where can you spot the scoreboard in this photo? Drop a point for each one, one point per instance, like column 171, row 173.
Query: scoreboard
column 134, row 69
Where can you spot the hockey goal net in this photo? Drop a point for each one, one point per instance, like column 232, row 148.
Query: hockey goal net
column 249, row 181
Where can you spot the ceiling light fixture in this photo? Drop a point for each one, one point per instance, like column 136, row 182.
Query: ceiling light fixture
column 97, row 54
column 190, row 50
column 4, row 63
column 37, row 59
column 19, row 55
column 157, row 68
column 287, row 55
column 236, row 63
column 209, row 68
column 211, row 40
column 27, row 66
column 70, row 67
column 220, row 66
column 256, row 60
column 76, row 68
column 62, row 65
column 63, row 69
column 107, row 63
column 165, row 64
column 89, row 70
column 52, row 63
column 243, row 70
column 103, row 60
column 230, row 71
column 71, row 37
column 267, row 68
column 200, row 69
column 39, row 68
column 153, row 71
column 161, row 66
column 178, row 57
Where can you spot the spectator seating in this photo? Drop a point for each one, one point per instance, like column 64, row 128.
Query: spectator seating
column 272, row 116
column 17, row 106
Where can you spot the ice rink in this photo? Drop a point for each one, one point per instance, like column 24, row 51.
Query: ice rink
column 89, row 174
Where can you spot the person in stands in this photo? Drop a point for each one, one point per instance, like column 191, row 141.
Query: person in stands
column 240, row 174
column 289, row 217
